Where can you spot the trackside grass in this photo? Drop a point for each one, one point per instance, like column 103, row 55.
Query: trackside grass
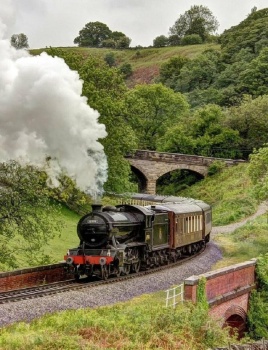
column 142, row 323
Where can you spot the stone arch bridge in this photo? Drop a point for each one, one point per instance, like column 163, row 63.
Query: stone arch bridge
column 149, row 166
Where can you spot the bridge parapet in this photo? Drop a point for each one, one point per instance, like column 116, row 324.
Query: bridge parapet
column 181, row 158
column 227, row 291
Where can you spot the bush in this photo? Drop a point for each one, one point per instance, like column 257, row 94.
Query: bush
column 215, row 168
column 192, row 39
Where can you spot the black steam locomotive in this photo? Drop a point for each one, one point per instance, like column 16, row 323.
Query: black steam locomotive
column 145, row 231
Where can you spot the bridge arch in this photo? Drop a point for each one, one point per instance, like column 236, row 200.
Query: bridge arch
column 236, row 318
column 149, row 172
column 153, row 165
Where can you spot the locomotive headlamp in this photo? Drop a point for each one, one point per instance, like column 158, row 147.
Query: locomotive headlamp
column 102, row 261
column 69, row 261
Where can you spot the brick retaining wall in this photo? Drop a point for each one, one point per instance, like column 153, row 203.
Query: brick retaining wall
column 226, row 288
column 32, row 276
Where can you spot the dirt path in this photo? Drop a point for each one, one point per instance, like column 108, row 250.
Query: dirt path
column 262, row 209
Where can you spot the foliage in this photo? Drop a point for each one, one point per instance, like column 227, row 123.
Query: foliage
column 110, row 59
column 258, row 315
column 254, row 78
column 177, row 139
column 231, row 201
column 250, row 33
column 258, row 172
column 160, row 41
column 93, row 34
column 126, row 70
column 26, row 213
column 150, row 110
column 105, row 91
column 258, row 311
column 176, row 181
column 169, row 71
column 198, row 20
column 19, row 41
column 191, row 39
column 216, row 167
column 250, row 119
column 199, row 73
column 201, row 293
column 97, row 34
column 202, row 133
column 119, row 327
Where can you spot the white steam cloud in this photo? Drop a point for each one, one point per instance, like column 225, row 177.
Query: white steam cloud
column 42, row 114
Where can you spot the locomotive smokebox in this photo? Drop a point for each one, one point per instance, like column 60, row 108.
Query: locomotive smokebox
column 96, row 207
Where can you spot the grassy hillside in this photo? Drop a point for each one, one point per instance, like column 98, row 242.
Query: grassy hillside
column 145, row 62
column 229, row 192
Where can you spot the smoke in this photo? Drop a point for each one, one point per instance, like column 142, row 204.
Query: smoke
column 43, row 116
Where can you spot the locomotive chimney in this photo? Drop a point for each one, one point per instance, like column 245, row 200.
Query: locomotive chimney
column 96, row 207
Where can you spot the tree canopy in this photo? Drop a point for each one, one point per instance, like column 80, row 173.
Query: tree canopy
column 251, row 33
column 150, row 110
column 97, row 34
column 19, row 41
column 28, row 218
column 198, row 20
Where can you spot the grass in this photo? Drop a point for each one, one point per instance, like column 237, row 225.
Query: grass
column 245, row 243
column 232, row 200
column 142, row 60
column 142, row 323
column 66, row 239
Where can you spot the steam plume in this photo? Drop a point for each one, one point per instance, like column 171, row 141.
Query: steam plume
column 42, row 114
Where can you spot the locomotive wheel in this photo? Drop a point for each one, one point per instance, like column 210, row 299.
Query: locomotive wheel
column 136, row 267
column 127, row 268
column 104, row 273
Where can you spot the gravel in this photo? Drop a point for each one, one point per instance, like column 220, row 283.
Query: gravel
column 28, row 310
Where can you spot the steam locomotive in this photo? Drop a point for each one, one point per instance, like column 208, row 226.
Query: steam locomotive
column 141, row 232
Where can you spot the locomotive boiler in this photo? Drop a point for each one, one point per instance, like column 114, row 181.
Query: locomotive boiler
column 143, row 232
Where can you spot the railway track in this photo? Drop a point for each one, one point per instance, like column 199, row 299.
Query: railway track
column 60, row 287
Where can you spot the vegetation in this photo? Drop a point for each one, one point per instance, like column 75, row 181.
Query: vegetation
column 26, row 213
column 19, row 41
column 258, row 312
column 97, row 34
column 199, row 20
column 122, row 326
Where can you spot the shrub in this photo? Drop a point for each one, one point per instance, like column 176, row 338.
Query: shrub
column 192, row 39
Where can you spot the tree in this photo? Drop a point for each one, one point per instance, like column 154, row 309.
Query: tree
column 250, row 119
column 19, row 41
column 28, row 219
column 160, row 41
column 169, row 71
column 245, row 35
column 97, row 34
column 254, row 79
column 150, row 110
column 199, row 73
column 105, row 90
column 198, row 20
column 93, row 35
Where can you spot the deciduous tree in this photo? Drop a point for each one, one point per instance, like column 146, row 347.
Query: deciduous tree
column 198, row 20
column 93, row 35
column 19, row 41
column 28, row 218
column 150, row 110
